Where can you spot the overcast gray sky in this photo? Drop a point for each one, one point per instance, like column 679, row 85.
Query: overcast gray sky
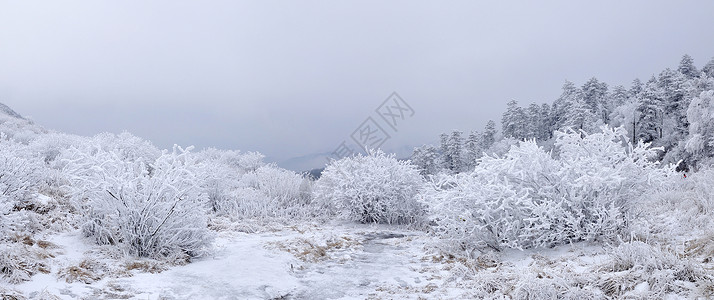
column 289, row 78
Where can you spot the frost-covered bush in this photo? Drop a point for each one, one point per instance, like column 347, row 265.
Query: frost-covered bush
column 21, row 175
column 219, row 173
column 128, row 147
column 156, row 214
column 532, row 198
column 272, row 192
column 681, row 214
column 702, row 185
column 15, row 127
column 49, row 146
column 373, row 188
column 251, row 161
column 240, row 185
column 281, row 185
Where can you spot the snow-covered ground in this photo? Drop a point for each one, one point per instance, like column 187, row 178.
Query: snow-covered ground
column 346, row 261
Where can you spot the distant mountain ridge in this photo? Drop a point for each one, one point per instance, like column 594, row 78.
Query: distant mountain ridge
column 311, row 162
column 16, row 127
column 8, row 111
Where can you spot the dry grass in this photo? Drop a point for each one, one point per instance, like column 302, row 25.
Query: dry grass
column 87, row 271
column 19, row 262
column 702, row 247
column 7, row 294
column 46, row 245
column 148, row 266
column 313, row 251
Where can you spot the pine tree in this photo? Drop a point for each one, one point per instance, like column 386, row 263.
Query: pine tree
column 535, row 120
column 709, row 68
column 595, row 97
column 547, row 125
column 694, row 87
column 618, row 96
column 445, row 160
column 650, row 114
column 581, row 117
column 563, row 104
column 426, row 159
column 455, row 151
column 514, row 121
column 671, row 85
column 473, row 149
column 636, row 88
column 700, row 115
column 686, row 67
column 489, row 135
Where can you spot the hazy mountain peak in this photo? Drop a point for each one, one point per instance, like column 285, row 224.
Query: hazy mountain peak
column 8, row 111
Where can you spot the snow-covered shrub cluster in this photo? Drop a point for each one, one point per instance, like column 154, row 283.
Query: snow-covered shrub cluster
column 21, row 177
column 281, row 193
column 20, row 173
column 374, row 188
column 533, row 198
column 127, row 147
column 158, row 204
column 219, row 173
column 24, row 213
column 241, row 186
column 151, row 209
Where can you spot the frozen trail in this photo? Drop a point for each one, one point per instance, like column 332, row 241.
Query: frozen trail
column 340, row 262
column 241, row 269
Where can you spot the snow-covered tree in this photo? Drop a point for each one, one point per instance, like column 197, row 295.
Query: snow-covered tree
column 619, row 96
column 596, row 98
column 672, row 90
column 581, row 117
column 564, row 103
column 426, row 158
column 452, row 157
column 686, row 67
column 547, row 124
column 625, row 115
column 445, row 159
column 489, row 135
column 636, row 88
column 455, row 151
column 514, row 121
column 534, row 121
column 376, row 188
column 473, row 150
column 700, row 115
column 708, row 69
column 650, row 115
column 694, row 87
